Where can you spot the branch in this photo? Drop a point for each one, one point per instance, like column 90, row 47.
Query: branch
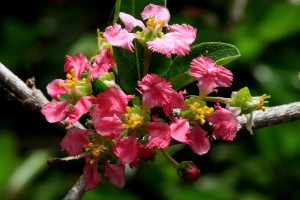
column 30, row 96
column 77, row 191
column 272, row 116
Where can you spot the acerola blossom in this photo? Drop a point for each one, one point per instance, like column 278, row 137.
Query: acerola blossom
column 209, row 75
column 110, row 105
column 77, row 91
column 176, row 41
column 75, row 141
column 157, row 91
column 225, row 123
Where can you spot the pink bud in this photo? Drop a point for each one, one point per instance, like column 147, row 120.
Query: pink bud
column 187, row 170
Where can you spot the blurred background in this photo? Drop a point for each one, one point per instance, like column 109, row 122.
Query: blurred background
column 34, row 40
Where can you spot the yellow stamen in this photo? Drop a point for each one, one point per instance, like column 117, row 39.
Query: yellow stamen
column 132, row 120
column 200, row 112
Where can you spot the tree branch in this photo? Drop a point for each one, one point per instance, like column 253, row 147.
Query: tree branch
column 32, row 97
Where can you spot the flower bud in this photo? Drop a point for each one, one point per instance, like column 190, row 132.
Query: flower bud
column 187, row 170
column 246, row 102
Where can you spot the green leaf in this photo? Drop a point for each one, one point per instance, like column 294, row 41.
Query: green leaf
column 127, row 64
column 159, row 64
column 222, row 53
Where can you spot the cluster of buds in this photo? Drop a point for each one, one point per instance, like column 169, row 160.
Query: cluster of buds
column 125, row 129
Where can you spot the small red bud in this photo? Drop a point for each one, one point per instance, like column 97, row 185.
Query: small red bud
column 187, row 170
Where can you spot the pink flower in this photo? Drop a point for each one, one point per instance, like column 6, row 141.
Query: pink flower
column 157, row 92
column 74, row 142
column 116, row 36
column 160, row 13
column 110, row 106
column 209, row 75
column 225, row 123
column 177, row 41
column 199, row 142
column 77, row 92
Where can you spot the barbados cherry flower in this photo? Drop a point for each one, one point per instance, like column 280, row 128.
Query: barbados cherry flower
column 177, row 41
column 209, row 75
column 99, row 159
column 73, row 97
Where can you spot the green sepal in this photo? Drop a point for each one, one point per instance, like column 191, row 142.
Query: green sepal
column 98, row 86
column 221, row 53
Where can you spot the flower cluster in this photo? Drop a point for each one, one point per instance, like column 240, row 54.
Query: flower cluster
column 125, row 129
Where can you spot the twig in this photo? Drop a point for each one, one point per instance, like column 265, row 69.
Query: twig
column 77, row 191
column 35, row 99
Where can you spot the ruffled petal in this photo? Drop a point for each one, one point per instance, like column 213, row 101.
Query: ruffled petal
column 225, row 122
column 78, row 62
column 116, row 36
column 102, row 63
column 160, row 134
column 74, row 141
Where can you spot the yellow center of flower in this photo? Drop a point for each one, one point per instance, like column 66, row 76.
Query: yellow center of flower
column 71, row 80
column 152, row 24
column 132, row 120
column 199, row 113
column 95, row 150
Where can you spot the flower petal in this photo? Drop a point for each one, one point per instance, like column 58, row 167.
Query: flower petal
column 77, row 62
column 116, row 36
column 56, row 111
column 54, row 90
column 180, row 130
column 160, row 134
column 75, row 140
column 115, row 174
column 130, row 22
column 226, row 124
column 127, row 149
column 102, row 63
column 91, row 176
column 199, row 142
column 80, row 108
column 159, row 13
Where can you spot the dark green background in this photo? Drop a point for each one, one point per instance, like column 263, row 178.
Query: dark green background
column 36, row 35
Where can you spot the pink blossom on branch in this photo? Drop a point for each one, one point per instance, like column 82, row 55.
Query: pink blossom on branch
column 209, row 75
column 225, row 123
column 157, row 91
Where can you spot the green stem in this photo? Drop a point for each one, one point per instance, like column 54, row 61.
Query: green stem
column 169, row 158
column 147, row 54
column 218, row 99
